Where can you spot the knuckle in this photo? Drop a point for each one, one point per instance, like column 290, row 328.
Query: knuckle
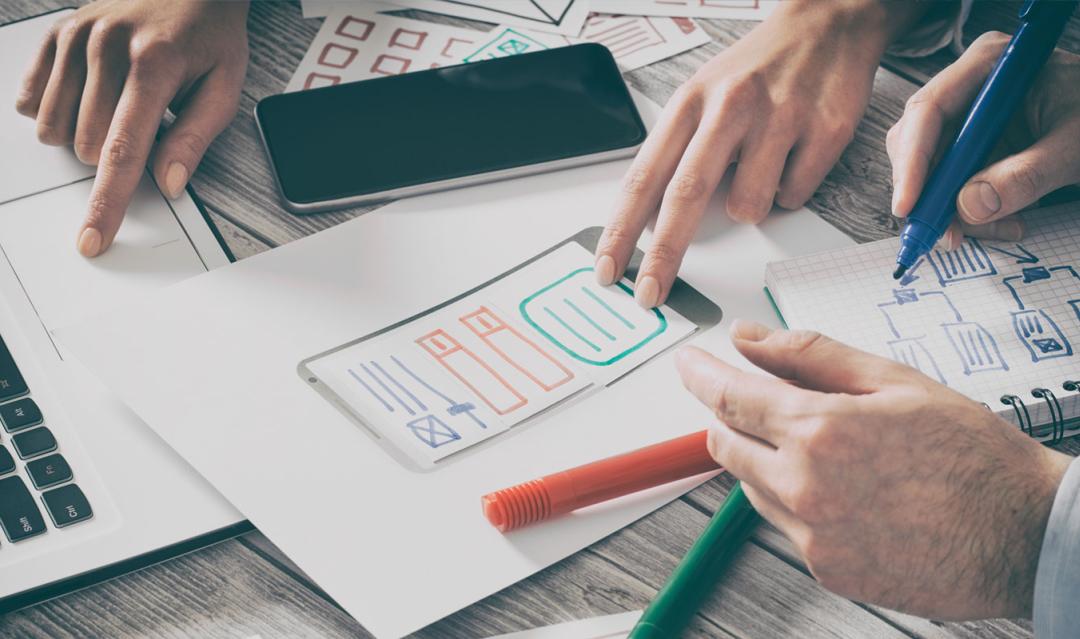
column 104, row 31
column 743, row 89
column 151, row 51
column 637, row 182
column 663, row 252
column 687, row 100
column 617, row 233
column 804, row 501
column 1025, row 179
column 802, row 342
column 121, row 152
column 72, row 29
column 688, row 186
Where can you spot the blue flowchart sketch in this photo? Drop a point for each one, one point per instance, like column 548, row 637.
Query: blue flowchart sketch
column 907, row 317
column 401, row 391
column 970, row 261
column 1035, row 327
column 913, row 352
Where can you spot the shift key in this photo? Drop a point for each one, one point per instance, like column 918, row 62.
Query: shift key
column 12, row 383
column 19, row 515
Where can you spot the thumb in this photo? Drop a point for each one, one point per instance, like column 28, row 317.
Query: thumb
column 206, row 113
column 812, row 360
column 1019, row 180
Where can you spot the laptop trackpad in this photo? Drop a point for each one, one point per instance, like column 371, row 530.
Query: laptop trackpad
column 38, row 236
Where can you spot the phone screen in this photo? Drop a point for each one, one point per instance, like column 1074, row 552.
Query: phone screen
column 376, row 135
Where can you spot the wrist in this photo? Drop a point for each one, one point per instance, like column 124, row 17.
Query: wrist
column 1045, row 478
column 876, row 23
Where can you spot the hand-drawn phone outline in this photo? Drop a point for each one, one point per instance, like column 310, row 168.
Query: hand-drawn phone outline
column 683, row 299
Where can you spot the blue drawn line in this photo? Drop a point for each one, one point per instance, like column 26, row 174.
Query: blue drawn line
column 589, row 319
column 372, row 391
column 432, row 431
column 571, row 329
column 952, row 263
column 978, row 259
column 1038, row 332
column 975, row 349
column 888, row 319
column 913, row 353
column 455, row 408
column 964, row 252
column 1027, row 258
column 627, row 323
column 399, row 385
column 388, row 391
column 948, row 301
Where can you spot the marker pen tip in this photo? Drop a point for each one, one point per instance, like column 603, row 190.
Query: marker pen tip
column 899, row 272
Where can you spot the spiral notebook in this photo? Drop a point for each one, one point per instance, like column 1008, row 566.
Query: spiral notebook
column 997, row 321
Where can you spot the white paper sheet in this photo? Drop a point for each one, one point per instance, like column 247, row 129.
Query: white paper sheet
column 26, row 165
column 356, row 42
column 634, row 41
column 550, row 16
column 726, row 9
column 399, row 549
column 606, row 627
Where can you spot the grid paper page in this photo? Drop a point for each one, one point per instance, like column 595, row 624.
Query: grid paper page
column 989, row 319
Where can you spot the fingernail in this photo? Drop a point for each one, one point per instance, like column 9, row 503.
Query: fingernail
column 749, row 331
column 605, row 270
column 979, row 200
column 895, row 197
column 647, row 292
column 90, row 242
column 175, row 178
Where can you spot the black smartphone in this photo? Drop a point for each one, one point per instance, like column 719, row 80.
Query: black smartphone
column 425, row 131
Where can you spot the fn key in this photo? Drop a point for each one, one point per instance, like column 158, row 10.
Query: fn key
column 67, row 505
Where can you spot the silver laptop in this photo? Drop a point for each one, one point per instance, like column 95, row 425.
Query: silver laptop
column 87, row 491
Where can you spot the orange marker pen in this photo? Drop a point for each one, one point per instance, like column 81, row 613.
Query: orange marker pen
column 562, row 492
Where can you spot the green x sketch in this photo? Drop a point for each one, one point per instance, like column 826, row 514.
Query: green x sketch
column 662, row 323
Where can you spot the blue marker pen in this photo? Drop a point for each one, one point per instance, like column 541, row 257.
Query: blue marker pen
column 1041, row 24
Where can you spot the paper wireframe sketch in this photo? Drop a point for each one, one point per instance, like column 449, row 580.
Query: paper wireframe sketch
column 616, row 626
column 356, row 42
column 504, row 353
column 551, row 16
column 724, row 9
column 634, row 41
column 410, row 547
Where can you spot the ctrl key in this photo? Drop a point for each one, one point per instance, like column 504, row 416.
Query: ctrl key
column 67, row 505
column 19, row 515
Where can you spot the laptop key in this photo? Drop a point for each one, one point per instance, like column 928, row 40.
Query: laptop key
column 19, row 515
column 34, row 442
column 12, row 383
column 7, row 462
column 48, row 471
column 67, row 505
column 19, row 415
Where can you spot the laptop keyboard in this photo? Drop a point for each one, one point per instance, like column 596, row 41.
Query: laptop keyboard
column 45, row 483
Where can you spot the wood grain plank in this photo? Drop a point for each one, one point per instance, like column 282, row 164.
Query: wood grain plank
column 222, row 591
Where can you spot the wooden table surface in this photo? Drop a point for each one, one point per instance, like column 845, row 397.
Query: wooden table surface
column 246, row 586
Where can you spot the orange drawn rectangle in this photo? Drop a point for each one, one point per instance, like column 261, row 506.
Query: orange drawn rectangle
column 517, row 349
column 472, row 371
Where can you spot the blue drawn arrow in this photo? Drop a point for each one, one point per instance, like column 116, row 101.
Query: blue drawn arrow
column 909, row 276
column 1027, row 258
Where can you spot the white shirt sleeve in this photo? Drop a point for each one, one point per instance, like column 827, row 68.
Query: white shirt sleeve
column 1057, row 578
column 930, row 36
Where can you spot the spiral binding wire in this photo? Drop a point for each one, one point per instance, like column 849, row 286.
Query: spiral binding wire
column 1022, row 415
column 1056, row 415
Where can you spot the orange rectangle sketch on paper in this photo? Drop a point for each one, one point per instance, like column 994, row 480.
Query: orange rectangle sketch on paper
column 517, row 349
column 473, row 372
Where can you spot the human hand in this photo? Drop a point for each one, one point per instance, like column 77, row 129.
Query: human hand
column 895, row 489
column 103, row 78
column 783, row 102
column 1039, row 151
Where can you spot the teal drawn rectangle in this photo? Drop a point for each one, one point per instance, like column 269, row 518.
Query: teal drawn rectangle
column 522, row 308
